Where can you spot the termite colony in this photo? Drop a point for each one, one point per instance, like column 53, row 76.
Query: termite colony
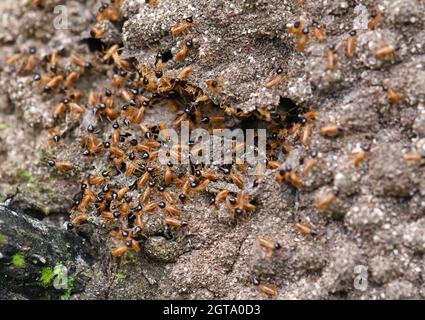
column 134, row 184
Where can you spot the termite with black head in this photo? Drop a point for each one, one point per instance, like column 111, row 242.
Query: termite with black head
column 80, row 62
column 269, row 246
column 54, row 135
column 60, row 165
column 358, row 157
column 129, row 244
column 393, row 96
column 375, row 18
column 30, row 62
column 303, row 39
column 182, row 27
column 267, row 289
column 277, row 79
column 319, row 33
column 175, row 223
column 330, row 56
column 184, row 51
column 350, row 44
column 107, row 12
column 306, row 230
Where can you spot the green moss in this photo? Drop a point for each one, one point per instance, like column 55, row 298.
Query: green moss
column 18, row 260
column 25, row 175
column 47, row 276
column 68, row 291
column 3, row 239
column 4, row 126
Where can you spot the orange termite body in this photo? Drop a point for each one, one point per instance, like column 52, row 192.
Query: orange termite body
column 118, row 252
column 79, row 220
column 325, row 201
column 350, row 44
column 385, row 52
column 393, row 96
column 331, row 130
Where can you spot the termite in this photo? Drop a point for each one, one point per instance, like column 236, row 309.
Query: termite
column 119, row 251
column 325, row 201
column 414, row 156
column 183, row 52
column 185, row 72
column 309, row 164
column 182, row 27
column 270, row 246
column 303, row 39
column 175, row 223
column 54, row 83
column 71, row 78
column 277, row 79
column 350, row 44
column 221, row 195
column 331, row 58
column 80, row 219
column 330, row 130
column 304, row 230
column 393, row 96
column 385, row 52
column 375, row 17
column 55, row 135
column 319, row 33
column 80, row 62
column 360, row 156
column 237, row 179
column 307, row 131
column 63, row 166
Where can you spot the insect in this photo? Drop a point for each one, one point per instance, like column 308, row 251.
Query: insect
column 62, row 166
column 175, row 223
column 330, row 130
column 80, row 62
column 414, row 156
column 350, row 44
column 80, row 219
column 107, row 12
column 182, row 26
column 360, row 156
column 375, row 17
column 185, row 72
column 385, row 52
column 55, row 135
column 183, row 52
column 331, row 58
column 276, row 80
column 393, row 96
column 325, row 201
column 53, row 83
column 269, row 246
column 71, row 78
column 237, row 179
column 306, row 230
column 265, row 288
column 319, row 33
column 213, row 86
column 303, row 39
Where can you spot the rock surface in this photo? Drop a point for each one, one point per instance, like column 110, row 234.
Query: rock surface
column 377, row 220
